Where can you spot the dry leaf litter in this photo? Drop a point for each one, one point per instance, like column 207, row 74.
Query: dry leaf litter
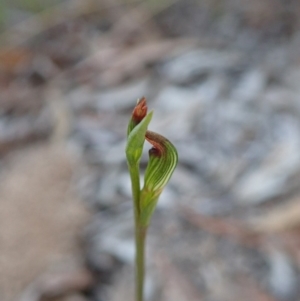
column 224, row 85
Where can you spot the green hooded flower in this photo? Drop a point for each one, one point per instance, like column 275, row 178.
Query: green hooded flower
column 163, row 159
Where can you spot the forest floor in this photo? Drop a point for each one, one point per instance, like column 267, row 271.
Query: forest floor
column 224, row 87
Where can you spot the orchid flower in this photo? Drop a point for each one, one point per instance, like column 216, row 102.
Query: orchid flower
column 163, row 159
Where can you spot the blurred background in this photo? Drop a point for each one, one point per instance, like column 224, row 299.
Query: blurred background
column 223, row 77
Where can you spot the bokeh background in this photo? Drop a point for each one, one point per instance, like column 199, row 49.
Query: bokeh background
column 223, row 77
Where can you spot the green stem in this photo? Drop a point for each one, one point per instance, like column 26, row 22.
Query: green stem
column 140, row 233
column 140, row 238
column 135, row 186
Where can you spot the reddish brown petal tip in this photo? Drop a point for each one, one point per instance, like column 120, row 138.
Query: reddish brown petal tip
column 158, row 143
column 140, row 111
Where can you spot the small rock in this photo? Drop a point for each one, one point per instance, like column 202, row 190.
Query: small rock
column 174, row 99
column 282, row 99
column 124, row 185
column 190, row 152
column 177, row 110
column 185, row 181
column 116, row 154
column 282, row 278
column 270, row 178
column 292, row 78
column 213, row 87
column 192, row 64
column 250, row 85
column 109, row 186
column 114, row 237
column 123, row 288
column 167, row 199
column 80, row 98
column 123, row 97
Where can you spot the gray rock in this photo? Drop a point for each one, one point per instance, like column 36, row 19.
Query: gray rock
column 212, row 88
column 80, row 98
column 282, row 276
column 112, row 236
column 270, row 179
column 109, row 186
column 281, row 99
column 292, row 78
column 124, row 185
column 177, row 110
column 167, row 199
column 115, row 154
column 191, row 153
column 122, row 97
column 186, row 182
column 250, row 85
column 192, row 64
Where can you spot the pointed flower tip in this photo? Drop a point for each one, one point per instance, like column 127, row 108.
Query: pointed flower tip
column 138, row 115
column 136, row 138
column 140, row 111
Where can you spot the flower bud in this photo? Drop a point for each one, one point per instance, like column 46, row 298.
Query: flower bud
column 163, row 159
column 136, row 135
column 138, row 114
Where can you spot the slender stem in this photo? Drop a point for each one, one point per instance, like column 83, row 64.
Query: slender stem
column 135, row 186
column 140, row 233
column 140, row 238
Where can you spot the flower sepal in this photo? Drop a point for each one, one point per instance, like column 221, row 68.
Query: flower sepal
column 136, row 139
